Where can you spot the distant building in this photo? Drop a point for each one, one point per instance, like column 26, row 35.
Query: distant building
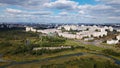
column 30, row 29
column 52, row 48
column 99, row 34
column 118, row 30
column 48, row 31
column 110, row 28
column 67, row 35
column 82, row 31
column 118, row 37
column 112, row 41
column 88, row 39
column 68, row 27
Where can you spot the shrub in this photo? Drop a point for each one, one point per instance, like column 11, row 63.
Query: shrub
column 111, row 52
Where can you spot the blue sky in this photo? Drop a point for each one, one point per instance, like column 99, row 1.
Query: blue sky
column 93, row 2
column 60, row 11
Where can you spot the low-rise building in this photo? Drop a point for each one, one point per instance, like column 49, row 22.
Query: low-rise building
column 118, row 30
column 47, row 31
column 99, row 34
column 118, row 37
column 67, row 35
column 111, row 28
column 112, row 41
column 30, row 29
column 82, row 31
column 68, row 27
column 52, row 48
column 88, row 39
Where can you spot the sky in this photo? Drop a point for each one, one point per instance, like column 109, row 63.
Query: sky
column 60, row 11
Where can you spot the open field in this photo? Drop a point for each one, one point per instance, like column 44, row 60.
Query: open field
column 16, row 46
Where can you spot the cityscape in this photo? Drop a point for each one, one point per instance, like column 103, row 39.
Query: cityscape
column 59, row 34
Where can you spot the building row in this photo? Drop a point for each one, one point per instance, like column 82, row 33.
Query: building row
column 82, row 31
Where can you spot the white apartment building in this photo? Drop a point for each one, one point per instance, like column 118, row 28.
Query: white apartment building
column 99, row 34
column 118, row 37
column 118, row 30
column 110, row 28
column 68, row 27
column 30, row 29
column 47, row 31
column 91, row 32
column 112, row 41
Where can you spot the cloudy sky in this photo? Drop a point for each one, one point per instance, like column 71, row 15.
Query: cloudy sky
column 60, row 11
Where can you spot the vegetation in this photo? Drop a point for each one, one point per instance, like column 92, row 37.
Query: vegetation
column 111, row 52
column 48, row 41
column 85, row 61
column 18, row 45
column 16, row 42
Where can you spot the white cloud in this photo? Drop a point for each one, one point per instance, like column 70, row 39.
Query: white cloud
column 81, row 12
column 99, row 10
column 22, row 12
column 107, row 11
column 62, row 5
column 64, row 13
column 9, row 10
column 94, row 7
column 113, row 3
column 28, row 4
